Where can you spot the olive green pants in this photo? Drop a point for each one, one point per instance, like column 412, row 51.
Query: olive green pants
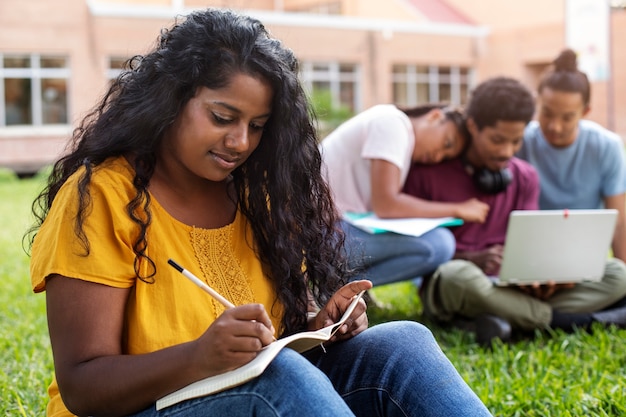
column 459, row 287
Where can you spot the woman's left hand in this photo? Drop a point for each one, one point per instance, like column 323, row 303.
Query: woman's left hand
column 338, row 304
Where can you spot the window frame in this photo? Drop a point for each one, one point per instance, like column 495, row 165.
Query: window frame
column 311, row 72
column 433, row 79
column 35, row 73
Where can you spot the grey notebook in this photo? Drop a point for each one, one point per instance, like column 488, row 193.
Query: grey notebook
column 556, row 245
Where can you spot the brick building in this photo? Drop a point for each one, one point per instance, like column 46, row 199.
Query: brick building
column 56, row 58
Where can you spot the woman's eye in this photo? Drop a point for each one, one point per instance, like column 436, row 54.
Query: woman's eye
column 221, row 120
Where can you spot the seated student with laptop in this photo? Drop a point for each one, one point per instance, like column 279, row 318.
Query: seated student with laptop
column 498, row 112
column 581, row 165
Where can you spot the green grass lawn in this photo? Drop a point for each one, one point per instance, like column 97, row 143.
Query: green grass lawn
column 551, row 375
column 25, row 357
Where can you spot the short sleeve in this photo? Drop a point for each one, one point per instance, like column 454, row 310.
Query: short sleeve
column 389, row 137
column 109, row 258
column 614, row 175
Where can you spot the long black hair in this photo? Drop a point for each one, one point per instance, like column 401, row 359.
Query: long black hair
column 280, row 188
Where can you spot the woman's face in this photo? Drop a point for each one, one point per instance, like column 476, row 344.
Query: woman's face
column 559, row 113
column 436, row 140
column 218, row 130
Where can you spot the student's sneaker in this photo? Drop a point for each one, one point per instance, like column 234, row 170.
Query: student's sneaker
column 490, row 328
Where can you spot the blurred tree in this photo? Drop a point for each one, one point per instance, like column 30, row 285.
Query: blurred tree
column 329, row 116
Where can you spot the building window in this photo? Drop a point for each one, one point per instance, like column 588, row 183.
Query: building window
column 338, row 81
column 117, row 64
column 33, row 89
column 420, row 84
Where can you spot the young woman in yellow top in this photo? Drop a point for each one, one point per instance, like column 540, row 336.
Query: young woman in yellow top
column 203, row 151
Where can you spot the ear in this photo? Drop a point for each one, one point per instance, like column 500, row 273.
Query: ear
column 471, row 126
column 435, row 115
column 586, row 110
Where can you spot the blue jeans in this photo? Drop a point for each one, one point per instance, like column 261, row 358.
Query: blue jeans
column 384, row 258
column 393, row 369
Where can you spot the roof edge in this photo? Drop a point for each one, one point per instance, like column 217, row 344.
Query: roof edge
column 100, row 9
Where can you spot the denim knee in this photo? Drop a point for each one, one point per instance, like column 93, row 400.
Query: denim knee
column 396, row 336
column 442, row 245
column 404, row 372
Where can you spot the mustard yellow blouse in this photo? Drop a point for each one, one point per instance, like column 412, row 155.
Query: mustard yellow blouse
column 171, row 310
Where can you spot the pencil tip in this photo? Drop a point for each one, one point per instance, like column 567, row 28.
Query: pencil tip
column 175, row 265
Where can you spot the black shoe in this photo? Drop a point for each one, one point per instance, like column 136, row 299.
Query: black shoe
column 490, row 328
column 614, row 316
column 463, row 323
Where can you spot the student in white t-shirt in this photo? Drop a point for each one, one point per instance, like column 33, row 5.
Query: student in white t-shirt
column 366, row 162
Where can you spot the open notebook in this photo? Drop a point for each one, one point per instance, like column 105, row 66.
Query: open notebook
column 556, row 245
column 300, row 342
column 413, row 226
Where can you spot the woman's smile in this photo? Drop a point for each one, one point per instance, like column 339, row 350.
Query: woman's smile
column 224, row 160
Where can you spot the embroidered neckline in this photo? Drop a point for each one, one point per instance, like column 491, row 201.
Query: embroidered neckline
column 220, row 268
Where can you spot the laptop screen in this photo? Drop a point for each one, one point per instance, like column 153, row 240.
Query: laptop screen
column 557, row 245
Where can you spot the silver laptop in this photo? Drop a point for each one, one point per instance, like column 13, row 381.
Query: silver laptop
column 556, row 245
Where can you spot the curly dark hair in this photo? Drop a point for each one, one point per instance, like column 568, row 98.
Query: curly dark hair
column 500, row 98
column 280, row 188
column 564, row 75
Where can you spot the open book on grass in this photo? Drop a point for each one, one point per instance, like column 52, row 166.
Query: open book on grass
column 414, row 226
column 299, row 342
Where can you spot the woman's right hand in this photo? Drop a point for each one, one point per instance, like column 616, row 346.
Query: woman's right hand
column 234, row 338
column 472, row 211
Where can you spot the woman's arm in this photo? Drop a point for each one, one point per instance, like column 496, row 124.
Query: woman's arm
column 86, row 323
column 388, row 200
